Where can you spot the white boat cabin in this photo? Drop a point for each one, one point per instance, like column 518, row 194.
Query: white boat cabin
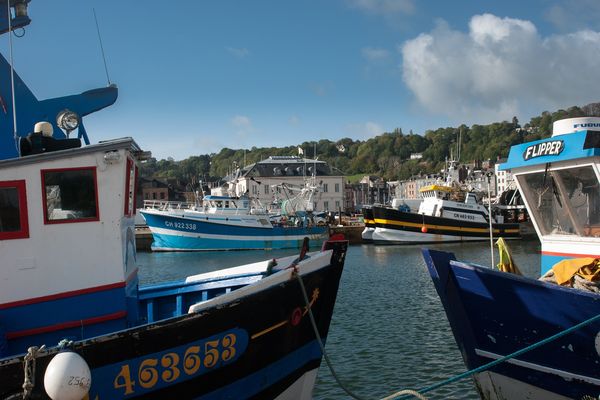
column 235, row 205
column 559, row 178
column 210, row 204
column 67, row 240
column 439, row 201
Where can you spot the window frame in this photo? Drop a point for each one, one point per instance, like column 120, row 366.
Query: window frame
column 67, row 220
column 581, row 231
column 131, row 167
column 23, row 233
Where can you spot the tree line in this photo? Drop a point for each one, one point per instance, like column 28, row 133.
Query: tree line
column 386, row 155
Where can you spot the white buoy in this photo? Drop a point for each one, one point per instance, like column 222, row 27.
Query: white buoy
column 67, row 377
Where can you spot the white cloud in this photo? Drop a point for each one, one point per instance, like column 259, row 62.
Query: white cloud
column 242, row 124
column 365, row 130
column 581, row 13
column 384, row 7
column 239, row 53
column 374, row 54
column 241, row 121
column 321, row 89
column 499, row 69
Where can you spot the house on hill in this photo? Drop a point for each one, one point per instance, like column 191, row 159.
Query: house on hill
column 265, row 181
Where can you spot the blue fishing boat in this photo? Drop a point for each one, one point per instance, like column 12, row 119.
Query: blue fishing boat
column 74, row 322
column 227, row 223
column 545, row 331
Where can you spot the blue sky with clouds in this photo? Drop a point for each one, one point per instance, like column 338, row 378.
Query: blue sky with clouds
column 196, row 76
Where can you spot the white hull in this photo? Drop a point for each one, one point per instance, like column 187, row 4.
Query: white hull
column 301, row 389
column 399, row 236
column 493, row 386
column 367, row 234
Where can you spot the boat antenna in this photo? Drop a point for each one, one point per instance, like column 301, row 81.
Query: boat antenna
column 101, row 47
column 315, row 165
column 12, row 78
column 459, row 143
column 489, row 178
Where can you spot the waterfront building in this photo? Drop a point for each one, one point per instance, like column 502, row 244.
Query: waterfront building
column 504, row 179
column 153, row 189
column 265, row 181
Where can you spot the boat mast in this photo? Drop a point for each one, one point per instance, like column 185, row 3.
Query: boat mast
column 12, row 78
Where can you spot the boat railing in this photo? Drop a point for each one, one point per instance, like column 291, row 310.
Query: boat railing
column 173, row 299
column 169, row 205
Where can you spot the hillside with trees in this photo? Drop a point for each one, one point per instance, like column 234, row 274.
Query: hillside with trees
column 386, row 155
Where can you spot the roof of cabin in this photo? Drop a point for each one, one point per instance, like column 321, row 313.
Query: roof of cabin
column 287, row 166
column 107, row 145
column 580, row 144
column 435, row 187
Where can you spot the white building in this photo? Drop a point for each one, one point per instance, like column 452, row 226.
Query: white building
column 504, row 179
column 263, row 181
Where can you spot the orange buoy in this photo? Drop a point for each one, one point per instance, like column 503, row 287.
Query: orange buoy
column 424, row 229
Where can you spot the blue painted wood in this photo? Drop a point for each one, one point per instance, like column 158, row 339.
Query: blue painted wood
column 501, row 313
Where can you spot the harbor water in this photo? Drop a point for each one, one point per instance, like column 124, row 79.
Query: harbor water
column 389, row 330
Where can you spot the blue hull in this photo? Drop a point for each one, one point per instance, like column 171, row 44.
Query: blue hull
column 493, row 314
column 258, row 344
column 184, row 234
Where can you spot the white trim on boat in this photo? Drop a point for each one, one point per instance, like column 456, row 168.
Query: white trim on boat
column 164, row 231
column 494, row 386
column 541, row 368
column 281, row 274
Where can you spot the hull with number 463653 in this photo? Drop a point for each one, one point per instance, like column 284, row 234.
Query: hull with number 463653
column 75, row 323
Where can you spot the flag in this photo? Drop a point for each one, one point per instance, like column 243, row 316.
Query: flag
column 506, row 263
column 300, row 151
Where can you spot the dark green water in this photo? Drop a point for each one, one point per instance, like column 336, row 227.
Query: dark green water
column 389, row 330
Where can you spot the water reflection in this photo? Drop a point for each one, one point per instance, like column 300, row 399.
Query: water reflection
column 389, row 330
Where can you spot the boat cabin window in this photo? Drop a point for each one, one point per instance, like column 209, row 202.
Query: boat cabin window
column 130, row 187
column 14, row 222
column 564, row 202
column 70, row 195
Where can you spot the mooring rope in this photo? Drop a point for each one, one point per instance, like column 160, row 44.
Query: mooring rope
column 326, row 356
column 29, row 369
column 511, row 355
column 419, row 393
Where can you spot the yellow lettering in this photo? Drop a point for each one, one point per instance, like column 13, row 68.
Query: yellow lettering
column 228, row 347
column 147, row 374
column 170, row 361
column 211, row 353
column 123, row 380
column 191, row 360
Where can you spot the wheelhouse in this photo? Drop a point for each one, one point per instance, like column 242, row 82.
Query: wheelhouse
column 559, row 178
column 67, row 245
column 219, row 204
column 436, row 192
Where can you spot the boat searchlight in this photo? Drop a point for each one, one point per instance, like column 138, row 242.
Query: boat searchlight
column 21, row 9
column 67, row 120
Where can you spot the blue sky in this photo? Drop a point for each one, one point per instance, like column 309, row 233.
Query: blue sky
column 195, row 76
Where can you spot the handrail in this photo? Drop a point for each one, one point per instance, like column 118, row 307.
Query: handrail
column 168, row 205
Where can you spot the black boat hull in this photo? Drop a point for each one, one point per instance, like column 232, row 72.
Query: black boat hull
column 393, row 226
column 255, row 346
